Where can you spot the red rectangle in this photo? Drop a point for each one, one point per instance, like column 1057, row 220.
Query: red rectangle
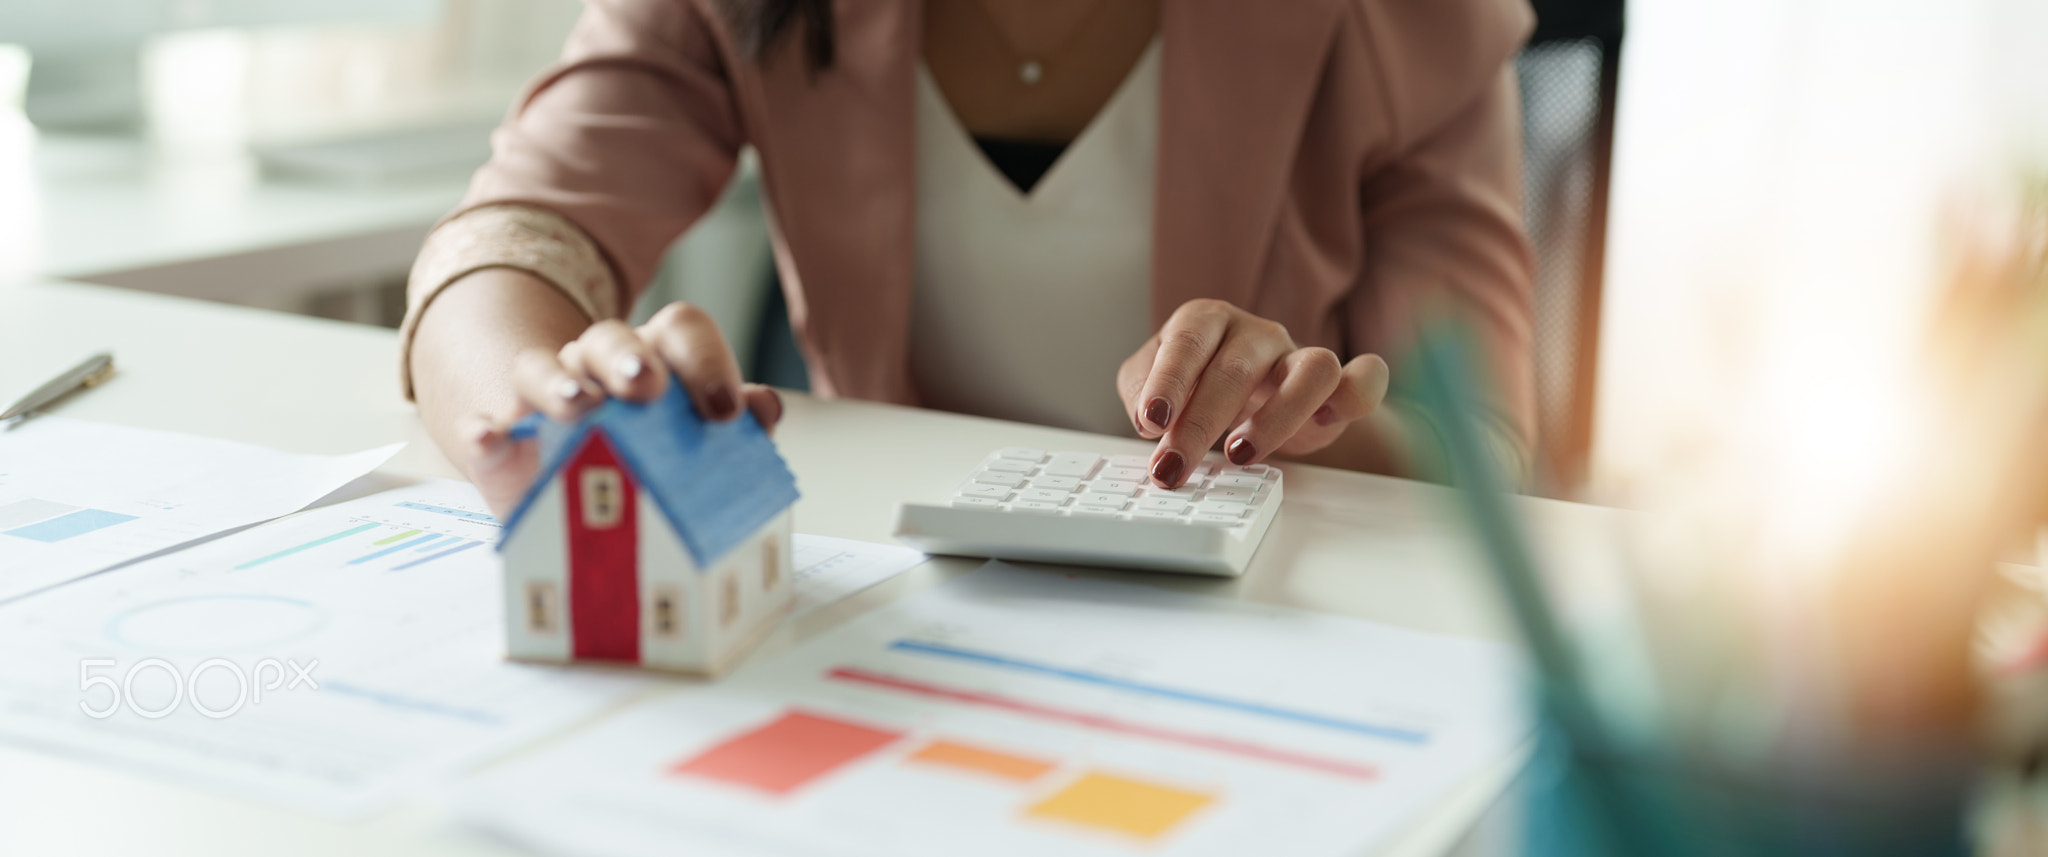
column 787, row 753
column 604, row 554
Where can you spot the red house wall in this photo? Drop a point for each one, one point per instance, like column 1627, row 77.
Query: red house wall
column 604, row 561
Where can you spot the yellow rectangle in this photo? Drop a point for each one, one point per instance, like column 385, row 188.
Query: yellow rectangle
column 1103, row 801
column 961, row 756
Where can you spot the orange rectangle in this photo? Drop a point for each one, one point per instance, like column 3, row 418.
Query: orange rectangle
column 787, row 753
column 952, row 754
column 1122, row 805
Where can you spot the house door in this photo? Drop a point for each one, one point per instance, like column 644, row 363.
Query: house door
column 604, row 554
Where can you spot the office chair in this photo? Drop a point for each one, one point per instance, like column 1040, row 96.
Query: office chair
column 1568, row 73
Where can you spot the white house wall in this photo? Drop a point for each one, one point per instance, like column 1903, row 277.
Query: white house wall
column 665, row 562
column 538, row 553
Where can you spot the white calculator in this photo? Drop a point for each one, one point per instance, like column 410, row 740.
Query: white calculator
column 1088, row 509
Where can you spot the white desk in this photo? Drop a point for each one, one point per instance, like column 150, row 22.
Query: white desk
column 1381, row 549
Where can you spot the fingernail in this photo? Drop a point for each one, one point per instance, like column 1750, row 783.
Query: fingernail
column 1325, row 415
column 723, row 406
column 567, row 389
column 1157, row 411
column 778, row 404
column 1241, row 452
column 1166, row 471
column 630, row 367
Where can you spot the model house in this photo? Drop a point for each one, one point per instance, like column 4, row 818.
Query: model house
column 650, row 536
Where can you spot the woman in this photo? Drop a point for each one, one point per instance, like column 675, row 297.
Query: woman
column 1195, row 220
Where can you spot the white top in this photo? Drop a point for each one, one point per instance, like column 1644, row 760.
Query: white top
column 1026, row 304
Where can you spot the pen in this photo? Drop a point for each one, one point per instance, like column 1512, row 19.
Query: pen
column 95, row 369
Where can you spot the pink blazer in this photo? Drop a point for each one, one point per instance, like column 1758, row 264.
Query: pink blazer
column 1343, row 167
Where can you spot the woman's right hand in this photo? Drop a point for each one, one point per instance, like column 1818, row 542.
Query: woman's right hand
column 612, row 360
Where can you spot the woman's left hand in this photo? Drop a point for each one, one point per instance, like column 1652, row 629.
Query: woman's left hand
column 1214, row 368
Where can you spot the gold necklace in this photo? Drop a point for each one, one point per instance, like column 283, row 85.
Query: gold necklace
column 1029, row 70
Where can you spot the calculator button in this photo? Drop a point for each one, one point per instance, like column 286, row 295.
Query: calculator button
column 1080, row 467
column 991, row 492
column 1034, row 507
column 1155, row 515
column 1104, row 501
column 1112, row 486
column 1255, row 468
column 1234, row 495
column 1009, row 465
column 1022, row 453
column 1044, row 495
column 1183, row 493
column 1057, row 483
column 1202, row 520
column 1174, row 505
column 1137, row 461
column 1235, row 511
column 1122, row 474
column 976, row 503
column 1238, row 480
column 994, row 477
column 1091, row 512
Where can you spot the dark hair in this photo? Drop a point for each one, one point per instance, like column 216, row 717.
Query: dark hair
column 758, row 24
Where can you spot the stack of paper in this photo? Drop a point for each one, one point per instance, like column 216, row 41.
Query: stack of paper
column 77, row 497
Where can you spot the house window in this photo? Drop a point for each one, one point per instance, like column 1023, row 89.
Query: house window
column 668, row 611
column 542, row 603
column 729, row 601
column 771, row 564
column 602, row 500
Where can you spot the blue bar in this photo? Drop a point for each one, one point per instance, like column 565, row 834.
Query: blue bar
column 428, row 547
column 394, row 549
column 457, row 513
column 412, row 704
column 1407, row 736
column 312, row 544
column 75, row 524
column 434, row 556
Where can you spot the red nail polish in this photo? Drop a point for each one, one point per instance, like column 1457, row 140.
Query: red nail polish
column 1240, row 452
column 1325, row 415
column 1166, row 471
column 721, row 403
column 1157, row 412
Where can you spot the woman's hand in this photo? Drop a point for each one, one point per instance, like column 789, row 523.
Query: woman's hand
column 1214, row 368
column 611, row 360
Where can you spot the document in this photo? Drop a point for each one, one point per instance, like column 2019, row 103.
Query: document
column 78, row 497
column 1010, row 712
column 330, row 661
column 829, row 569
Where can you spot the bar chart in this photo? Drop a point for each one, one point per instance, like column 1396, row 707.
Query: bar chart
column 798, row 747
column 1010, row 712
column 399, row 537
column 51, row 521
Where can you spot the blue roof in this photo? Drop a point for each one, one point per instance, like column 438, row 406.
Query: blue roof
column 717, row 483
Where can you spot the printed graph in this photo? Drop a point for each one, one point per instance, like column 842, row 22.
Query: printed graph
column 403, row 537
column 216, row 623
column 799, row 748
column 50, row 521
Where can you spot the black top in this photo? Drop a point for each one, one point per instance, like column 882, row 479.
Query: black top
column 1023, row 162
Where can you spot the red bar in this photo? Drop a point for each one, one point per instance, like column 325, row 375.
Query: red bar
column 1352, row 770
column 789, row 752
